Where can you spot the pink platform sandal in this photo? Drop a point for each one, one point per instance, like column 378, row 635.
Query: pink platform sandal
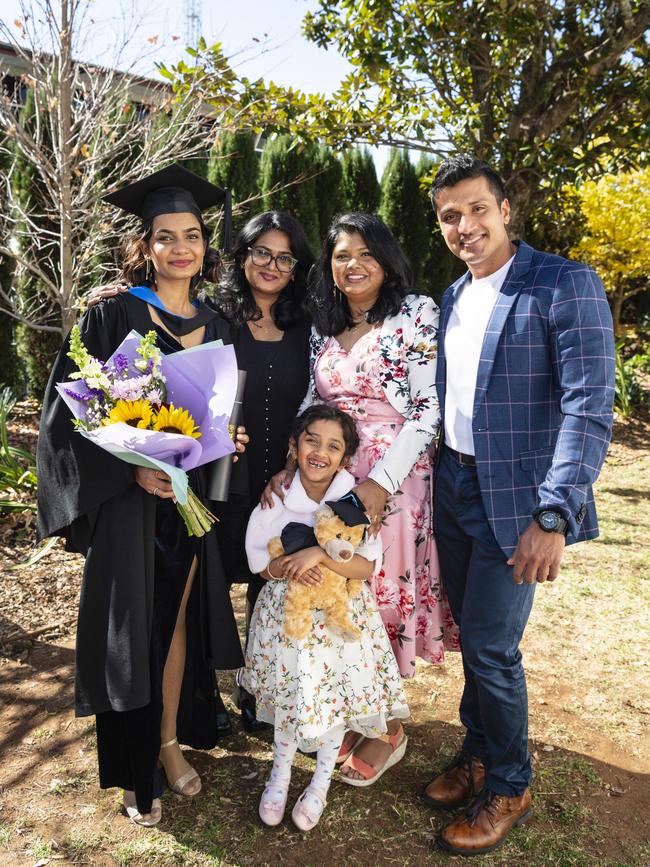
column 274, row 801
column 370, row 775
column 350, row 742
column 306, row 814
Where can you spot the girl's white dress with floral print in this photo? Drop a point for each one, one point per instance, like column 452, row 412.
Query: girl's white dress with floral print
column 306, row 688
column 386, row 382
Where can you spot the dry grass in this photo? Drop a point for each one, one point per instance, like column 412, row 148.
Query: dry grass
column 586, row 655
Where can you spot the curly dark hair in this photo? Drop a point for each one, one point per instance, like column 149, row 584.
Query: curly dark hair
column 325, row 412
column 462, row 167
column 233, row 297
column 134, row 268
column 329, row 310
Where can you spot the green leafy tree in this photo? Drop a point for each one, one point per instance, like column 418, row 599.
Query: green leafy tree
column 288, row 182
column 329, row 187
column 234, row 163
column 404, row 211
column 361, row 188
column 8, row 358
column 548, row 91
column 440, row 267
column 36, row 347
column 616, row 241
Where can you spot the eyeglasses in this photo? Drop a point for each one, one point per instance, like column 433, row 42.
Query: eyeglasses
column 283, row 261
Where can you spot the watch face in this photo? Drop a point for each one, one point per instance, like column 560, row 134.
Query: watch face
column 549, row 520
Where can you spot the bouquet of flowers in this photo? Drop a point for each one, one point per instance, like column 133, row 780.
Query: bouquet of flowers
column 151, row 410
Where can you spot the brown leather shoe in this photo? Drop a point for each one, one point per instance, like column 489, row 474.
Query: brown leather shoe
column 461, row 780
column 486, row 823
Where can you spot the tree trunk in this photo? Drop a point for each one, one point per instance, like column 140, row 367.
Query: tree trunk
column 523, row 194
column 65, row 166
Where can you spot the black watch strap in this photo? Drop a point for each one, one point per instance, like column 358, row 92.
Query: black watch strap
column 552, row 522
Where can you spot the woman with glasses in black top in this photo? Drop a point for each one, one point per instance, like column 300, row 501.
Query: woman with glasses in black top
column 262, row 296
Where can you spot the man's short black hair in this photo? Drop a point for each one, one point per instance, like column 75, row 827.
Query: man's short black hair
column 461, row 167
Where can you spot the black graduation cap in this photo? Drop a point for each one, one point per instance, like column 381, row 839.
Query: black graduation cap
column 349, row 509
column 173, row 190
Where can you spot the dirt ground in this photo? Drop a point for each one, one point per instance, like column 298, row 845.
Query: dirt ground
column 586, row 655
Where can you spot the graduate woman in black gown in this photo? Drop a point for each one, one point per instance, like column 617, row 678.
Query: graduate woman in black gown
column 261, row 298
column 155, row 617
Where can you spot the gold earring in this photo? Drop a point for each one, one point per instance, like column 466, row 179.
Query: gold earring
column 148, row 270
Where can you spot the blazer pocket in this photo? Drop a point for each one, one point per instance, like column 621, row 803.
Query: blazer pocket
column 524, row 338
column 536, row 458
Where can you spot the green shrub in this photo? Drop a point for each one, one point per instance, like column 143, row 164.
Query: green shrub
column 36, row 351
column 629, row 393
column 17, row 466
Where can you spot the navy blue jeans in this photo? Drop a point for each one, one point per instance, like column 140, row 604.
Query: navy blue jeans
column 491, row 611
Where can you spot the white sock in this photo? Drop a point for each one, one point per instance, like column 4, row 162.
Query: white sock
column 326, row 756
column 284, row 749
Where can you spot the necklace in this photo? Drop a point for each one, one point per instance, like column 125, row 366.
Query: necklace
column 358, row 323
column 267, row 329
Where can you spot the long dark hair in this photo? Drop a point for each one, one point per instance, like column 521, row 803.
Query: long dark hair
column 233, row 297
column 329, row 309
column 136, row 270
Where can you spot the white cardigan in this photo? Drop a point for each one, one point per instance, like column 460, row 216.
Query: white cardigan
column 266, row 523
column 408, row 350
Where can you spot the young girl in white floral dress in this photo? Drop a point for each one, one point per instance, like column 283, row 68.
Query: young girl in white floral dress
column 315, row 689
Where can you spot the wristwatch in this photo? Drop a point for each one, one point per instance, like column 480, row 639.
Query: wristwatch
column 552, row 522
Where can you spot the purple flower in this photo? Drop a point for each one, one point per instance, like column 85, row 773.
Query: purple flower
column 91, row 394
column 121, row 364
column 76, row 396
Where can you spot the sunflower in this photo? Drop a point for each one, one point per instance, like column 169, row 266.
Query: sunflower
column 171, row 420
column 137, row 413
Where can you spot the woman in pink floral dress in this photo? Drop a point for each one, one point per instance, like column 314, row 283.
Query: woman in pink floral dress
column 373, row 355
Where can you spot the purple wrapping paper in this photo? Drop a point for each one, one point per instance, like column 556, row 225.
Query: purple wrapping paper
column 202, row 380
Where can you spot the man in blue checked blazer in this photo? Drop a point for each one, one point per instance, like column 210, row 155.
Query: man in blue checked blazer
column 526, row 385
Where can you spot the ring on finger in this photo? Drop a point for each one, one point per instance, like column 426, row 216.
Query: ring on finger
column 155, row 492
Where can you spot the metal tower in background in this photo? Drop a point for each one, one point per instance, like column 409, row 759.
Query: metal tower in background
column 192, row 22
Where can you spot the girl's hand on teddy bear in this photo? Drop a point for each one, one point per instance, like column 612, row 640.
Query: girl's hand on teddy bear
column 303, row 566
column 310, row 578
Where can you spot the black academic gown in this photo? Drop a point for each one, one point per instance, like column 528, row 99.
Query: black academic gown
column 91, row 499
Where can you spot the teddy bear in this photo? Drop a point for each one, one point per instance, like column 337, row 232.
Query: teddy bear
column 339, row 538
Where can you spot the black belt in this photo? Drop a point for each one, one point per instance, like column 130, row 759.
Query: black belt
column 465, row 460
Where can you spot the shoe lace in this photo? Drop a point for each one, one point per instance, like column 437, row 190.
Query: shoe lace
column 484, row 801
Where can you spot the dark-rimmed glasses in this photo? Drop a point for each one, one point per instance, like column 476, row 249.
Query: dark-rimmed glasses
column 261, row 257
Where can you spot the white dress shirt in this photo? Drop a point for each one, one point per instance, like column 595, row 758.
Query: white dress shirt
column 464, row 336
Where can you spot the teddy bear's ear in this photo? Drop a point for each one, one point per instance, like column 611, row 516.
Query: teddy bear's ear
column 324, row 514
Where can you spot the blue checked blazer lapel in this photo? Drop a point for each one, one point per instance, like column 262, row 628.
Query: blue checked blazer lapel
column 511, row 288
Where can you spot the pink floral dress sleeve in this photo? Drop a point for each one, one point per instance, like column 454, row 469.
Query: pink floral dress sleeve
column 409, row 350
